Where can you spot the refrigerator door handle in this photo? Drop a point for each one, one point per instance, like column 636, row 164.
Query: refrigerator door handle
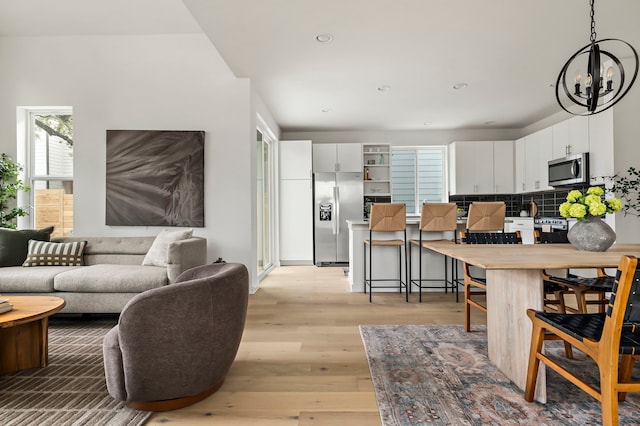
column 336, row 200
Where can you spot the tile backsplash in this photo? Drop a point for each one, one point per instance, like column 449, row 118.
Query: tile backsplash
column 547, row 201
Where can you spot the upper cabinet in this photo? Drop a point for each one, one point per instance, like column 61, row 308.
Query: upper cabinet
column 331, row 157
column 503, row 167
column 295, row 159
column 570, row 137
column 483, row 167
column 538, row 150
column 521, row 164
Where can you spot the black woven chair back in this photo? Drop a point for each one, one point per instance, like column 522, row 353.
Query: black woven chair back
column 553, row 237
column 491, row 238
column 632, row 312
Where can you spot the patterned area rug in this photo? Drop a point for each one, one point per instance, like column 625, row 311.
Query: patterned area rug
column 71, row 390
column 440, row 375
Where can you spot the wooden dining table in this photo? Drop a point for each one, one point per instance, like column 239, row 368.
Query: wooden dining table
column 514, row 284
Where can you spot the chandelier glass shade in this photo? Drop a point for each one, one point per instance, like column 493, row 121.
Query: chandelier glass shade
column 597, row 76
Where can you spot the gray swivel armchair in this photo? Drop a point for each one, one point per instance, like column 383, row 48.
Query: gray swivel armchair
column 173, row 346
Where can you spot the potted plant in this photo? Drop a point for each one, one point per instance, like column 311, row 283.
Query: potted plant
column 590, row 233
column 626, row 187
column 9, row 187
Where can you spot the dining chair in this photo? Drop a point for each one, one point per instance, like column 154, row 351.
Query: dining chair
column 611, row 339
column 386, row 218
column 439, row 218
column 472, row 282
column 582, row 287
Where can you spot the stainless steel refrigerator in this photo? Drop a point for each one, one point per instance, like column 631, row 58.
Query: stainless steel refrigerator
column 338, row 197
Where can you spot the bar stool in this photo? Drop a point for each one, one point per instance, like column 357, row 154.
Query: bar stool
column 386, row 218
column 435, row 217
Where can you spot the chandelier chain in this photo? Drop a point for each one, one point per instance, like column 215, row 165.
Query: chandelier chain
column 593, row 23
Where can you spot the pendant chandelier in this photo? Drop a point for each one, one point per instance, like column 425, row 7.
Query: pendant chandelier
column 600, row 81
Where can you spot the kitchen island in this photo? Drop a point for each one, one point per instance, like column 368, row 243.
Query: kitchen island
column 514, row 284
column 385, row 261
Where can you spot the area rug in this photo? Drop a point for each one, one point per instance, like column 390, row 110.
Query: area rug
column 440, row 375
column 71, row 390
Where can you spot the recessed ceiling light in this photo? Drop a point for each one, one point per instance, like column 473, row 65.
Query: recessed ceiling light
column 327, row 109
column 459, row 86
column 489, row 122
column 427, row 123
column 324, row 38
column 384, row 88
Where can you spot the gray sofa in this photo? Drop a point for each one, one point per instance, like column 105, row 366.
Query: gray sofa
column 112, row 273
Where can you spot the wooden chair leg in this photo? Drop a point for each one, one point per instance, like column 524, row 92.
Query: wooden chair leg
column 626, row 367
column 537, row 340
column 609, row 396
column 467, row 308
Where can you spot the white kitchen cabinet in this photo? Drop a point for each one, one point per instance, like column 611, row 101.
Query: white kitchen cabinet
column 296, row 222
column 471, row 167
column 601, row 146
column 295, row 159
column 503, row 167
column 332, row 157
column 349, row 157
column 570, row 136
column 482, row 167
column 295, row 210
column 538, row 151
column 520, row 166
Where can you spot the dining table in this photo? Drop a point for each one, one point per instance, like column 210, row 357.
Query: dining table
column 515, row 284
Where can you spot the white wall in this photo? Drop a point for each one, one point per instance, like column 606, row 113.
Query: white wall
column 176, row 82
column 626, row 133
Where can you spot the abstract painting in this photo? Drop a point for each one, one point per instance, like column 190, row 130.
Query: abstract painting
column 155, row 178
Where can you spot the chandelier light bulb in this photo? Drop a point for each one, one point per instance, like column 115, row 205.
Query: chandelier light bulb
column 587, row 81
column 578, row 77
column 609, row 73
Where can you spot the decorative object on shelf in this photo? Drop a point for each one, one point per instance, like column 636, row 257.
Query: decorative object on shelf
column 628, row 187
column 590, row 233
column 596, row 97
column 460, row 212
column 381, row 159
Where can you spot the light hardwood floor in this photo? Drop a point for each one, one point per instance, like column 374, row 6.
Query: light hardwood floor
column 301, row 360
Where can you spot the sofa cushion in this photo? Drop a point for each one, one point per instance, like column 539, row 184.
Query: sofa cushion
column 111, row 279
column 43, row 253
column 16, row 279
column 158, row 253
column 14, row 244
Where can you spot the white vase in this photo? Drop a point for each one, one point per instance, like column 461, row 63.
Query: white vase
column 591, row 234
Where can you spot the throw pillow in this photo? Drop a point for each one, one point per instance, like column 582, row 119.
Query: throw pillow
column 14, row 244
column 43, row 253
column 158, row 253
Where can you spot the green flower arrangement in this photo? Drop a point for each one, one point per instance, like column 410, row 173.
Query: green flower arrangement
column 591, row 204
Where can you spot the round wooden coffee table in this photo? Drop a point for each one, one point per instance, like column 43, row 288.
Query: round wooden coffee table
column 24, row 332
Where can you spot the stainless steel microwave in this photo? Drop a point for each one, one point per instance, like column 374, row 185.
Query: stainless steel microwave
column 570, row 170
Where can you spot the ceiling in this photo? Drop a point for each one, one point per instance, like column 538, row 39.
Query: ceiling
column 391, row 65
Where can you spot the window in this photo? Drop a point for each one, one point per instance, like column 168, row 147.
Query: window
column 418, row 174
column 49, row 168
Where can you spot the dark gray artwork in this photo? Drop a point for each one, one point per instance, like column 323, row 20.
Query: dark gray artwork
column 155, row 178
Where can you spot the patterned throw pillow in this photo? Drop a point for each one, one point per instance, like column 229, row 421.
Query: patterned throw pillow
column 42, row 253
